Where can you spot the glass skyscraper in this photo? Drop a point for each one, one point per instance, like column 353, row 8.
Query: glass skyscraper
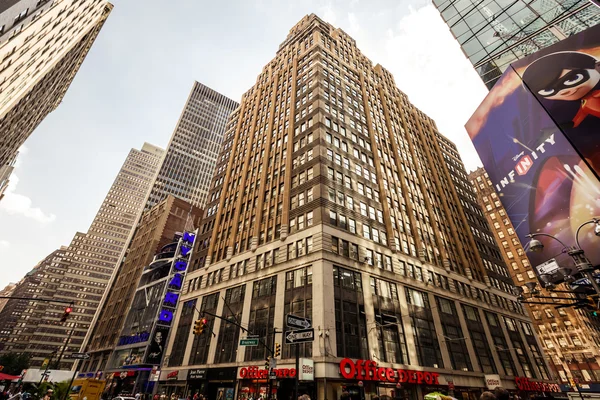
column 494, row 33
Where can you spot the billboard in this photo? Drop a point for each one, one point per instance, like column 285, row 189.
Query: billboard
column 538, row 135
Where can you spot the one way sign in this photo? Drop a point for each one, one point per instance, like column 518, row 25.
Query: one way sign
column 300, row 336
column 294, row 321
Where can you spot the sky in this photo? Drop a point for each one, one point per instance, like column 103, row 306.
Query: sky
column 133, row 85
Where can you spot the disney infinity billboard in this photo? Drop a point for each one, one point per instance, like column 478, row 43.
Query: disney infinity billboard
column 538, row 135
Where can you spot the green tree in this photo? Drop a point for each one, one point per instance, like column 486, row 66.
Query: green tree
column 14, row 363
column 60, row 389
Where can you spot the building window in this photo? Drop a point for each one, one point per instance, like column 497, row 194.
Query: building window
column 426, row 342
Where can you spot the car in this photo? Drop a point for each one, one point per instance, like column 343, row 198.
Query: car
column 123, row 398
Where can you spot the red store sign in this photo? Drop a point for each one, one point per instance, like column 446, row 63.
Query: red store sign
column 261, row 373
column 171, row 376
column 531, row 386
column 367, row 370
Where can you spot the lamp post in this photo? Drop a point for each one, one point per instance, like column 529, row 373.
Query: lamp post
column 582, row 263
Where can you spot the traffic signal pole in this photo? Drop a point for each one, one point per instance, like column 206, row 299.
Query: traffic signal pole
column 62, row 352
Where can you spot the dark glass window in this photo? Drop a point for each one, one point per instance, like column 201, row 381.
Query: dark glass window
column 479, row 340
column 426, row 342
column 298, row 301
column 229, row 333
column 350, row 318
column 262, row 317
column 456, row 342
column 202, row 342
column 186, row 321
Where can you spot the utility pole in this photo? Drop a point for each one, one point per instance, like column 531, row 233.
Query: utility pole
column 47, row 367
column 297, row 372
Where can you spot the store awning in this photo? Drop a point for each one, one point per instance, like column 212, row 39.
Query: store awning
column 6, row 377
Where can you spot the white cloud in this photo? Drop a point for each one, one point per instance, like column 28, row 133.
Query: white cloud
column 327, row 13
column 428, row 65
column 18, row 204
column 4, row 244
column 23, row 150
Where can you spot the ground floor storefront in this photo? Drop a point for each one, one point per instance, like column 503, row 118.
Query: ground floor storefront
column 327, row 380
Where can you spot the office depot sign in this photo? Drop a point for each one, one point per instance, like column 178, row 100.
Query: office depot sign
column 260, row 373
column 367, row 370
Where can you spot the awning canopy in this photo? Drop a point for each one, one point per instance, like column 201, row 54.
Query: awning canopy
column 6, row 377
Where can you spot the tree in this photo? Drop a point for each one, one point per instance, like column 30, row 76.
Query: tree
column 14, row 363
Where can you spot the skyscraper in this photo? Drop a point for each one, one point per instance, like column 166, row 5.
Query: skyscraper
column 15, row 311
column 570, row 338
column 156, row 229
column 192, row 152
column 332, row 201
column 494, row 34
column 42, row 45
column 497, row 274
column 88, row 264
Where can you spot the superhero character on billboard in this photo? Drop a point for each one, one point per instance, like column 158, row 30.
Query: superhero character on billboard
column 567, row 76
column 567, row 83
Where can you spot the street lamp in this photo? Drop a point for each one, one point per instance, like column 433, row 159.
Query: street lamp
column 582, row 263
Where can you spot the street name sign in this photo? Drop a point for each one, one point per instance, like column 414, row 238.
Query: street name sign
column 80, row 356
column 294, row 321
column 249, row 342
column 300, row 336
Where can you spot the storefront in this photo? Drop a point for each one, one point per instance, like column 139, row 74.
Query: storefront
column 220, row 383
column 363, row 379
column 196, row 380
column 172, row 383
column 120, row 383
column 528, row 389
column 254, row 383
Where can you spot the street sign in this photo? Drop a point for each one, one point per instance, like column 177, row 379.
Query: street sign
column 294, row 321
column 248, row 342
column 272, row 363
column 272, row 375
column 585, row 281
column 300, row 336
column 80, row 356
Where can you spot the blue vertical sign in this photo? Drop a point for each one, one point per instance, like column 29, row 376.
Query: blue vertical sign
column 166, row 313
column 176, row 278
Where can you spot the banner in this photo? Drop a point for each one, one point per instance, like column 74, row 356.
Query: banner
column 532, row 144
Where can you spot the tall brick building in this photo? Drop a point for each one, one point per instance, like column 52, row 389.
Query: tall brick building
column 332, row 200
column 570, row 338
column 156, row 229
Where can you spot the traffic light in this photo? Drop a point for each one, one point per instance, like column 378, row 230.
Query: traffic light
column 199, row 326
column 267, row 362
column 277, row 349
column 66, row 314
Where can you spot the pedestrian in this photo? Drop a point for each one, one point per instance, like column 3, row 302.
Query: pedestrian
column 345, row 396
column 501, row 393
column 487, row 396
column 48, row 395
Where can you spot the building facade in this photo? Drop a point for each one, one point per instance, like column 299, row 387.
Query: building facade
column 14, row 310
column 193, row 149
column 7, row 291
column 497, row 274
column 156, row 229
column 88, row 265
column 332, row 201
column 42, row 45
column 493, row 34
column 570, row 338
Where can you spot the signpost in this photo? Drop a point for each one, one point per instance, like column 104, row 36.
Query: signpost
column 80, row 356
column 293, row 321
column 249, row 342
column 300, row 336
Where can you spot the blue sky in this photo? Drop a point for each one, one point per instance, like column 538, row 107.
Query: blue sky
column 133, row 84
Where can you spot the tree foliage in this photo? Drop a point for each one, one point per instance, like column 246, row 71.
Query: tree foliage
column 14, row 363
